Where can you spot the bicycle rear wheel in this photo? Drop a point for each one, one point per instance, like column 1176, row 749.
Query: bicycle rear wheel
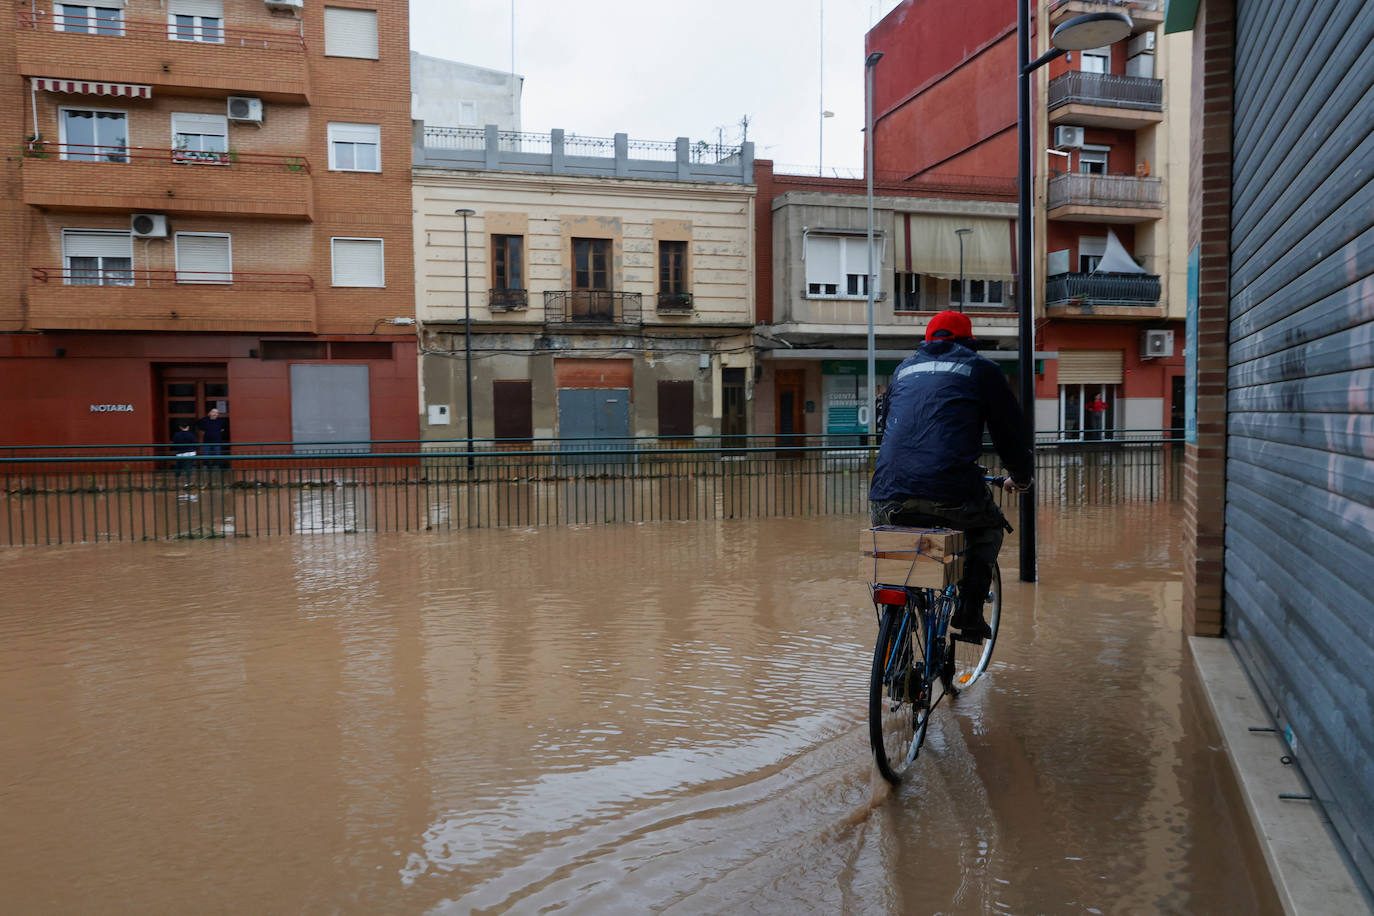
column 965, row 662
column 893, row 684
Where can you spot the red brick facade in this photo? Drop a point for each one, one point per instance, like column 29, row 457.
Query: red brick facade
column 1209, row 231
column 273, row 193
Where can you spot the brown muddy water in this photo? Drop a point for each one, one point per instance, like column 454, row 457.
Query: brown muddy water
column 633, row 718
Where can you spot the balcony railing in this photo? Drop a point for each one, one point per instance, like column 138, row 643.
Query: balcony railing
column 592, row 306
column 150, row 29
column 85, row 152
column 1079, row 190
column 1097, row 289
column 1130, row 6
column 1110, row 90
column 239, row 279
column 675, row 302
column 507, row 300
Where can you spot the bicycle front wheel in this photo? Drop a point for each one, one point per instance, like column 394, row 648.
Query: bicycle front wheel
column 964, row 662
column 894, row 683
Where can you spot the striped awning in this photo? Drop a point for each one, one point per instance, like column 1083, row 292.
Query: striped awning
column 88, row 87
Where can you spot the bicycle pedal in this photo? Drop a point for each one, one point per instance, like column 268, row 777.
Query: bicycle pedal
column 973, row 639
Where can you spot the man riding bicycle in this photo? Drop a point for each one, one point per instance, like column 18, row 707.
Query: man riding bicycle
column 927, row 474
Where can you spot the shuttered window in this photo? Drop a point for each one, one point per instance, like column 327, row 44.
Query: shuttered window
column 822, row 266
column 203, row 258
column 1089, row 367
column 95, row 258
column 675, row 409
column 195, row 20
column 355, row 147
column 350, row 33
column 201, row 138
column 358, row 262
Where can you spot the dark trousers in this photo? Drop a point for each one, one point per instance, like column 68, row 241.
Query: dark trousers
column 980, row 519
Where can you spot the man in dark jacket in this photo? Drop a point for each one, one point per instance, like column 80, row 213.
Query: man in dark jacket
column 927, row 474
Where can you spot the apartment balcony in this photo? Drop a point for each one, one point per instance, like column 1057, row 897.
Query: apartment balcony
column 675, row 304
column 1104, row 198
column 169, row 300
column 187, row 182
column 592, row 307
column 1106, row 100
column 1145, row 14
column 269, row 63
column 507, row 300
column 1103, row 295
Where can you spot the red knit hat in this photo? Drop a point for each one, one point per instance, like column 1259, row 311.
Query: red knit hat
column 949, row 324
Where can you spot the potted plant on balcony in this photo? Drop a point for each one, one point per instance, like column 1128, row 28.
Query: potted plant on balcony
column 183, row 153
column 35, row 147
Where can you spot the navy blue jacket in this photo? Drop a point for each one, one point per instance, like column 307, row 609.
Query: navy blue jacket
column 938, row 402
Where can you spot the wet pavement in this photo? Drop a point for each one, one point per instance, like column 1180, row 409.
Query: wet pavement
column 625, row 718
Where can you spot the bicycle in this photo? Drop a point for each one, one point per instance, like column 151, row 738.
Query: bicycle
column 915, row 650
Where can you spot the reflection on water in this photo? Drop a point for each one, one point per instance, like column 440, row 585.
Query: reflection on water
column 603, row 719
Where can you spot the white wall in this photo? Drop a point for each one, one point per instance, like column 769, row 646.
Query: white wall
column 438, row 89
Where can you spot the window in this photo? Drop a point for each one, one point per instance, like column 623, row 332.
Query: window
column 507, row 262
column 93, row 135
column 675, row 409
column 1087, row 411
column 200, row 138
column 955, row 294
column 92, row 20
column 985, row 292
column 350, row 33
column 837, row 266
column 195, row 20
column 358, row 262
column 672, row 267
column 1090, row 251
column 1097, row 60
column 1092, row 160
column 908, row 293
column 355, row 147
column 93, row 257
column 467, row 114
column 203, row 257
column 591, row 264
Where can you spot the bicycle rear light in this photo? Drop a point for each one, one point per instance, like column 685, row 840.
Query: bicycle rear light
column 895, row 596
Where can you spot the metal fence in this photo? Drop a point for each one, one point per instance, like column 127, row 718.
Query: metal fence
column 77, row 498
column 1103, row 289
column 1110, row 89
column 1103, row 191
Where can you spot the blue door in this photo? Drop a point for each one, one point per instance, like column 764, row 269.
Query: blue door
column 588, row 417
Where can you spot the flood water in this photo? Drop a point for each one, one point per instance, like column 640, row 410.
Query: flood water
column 624, row 718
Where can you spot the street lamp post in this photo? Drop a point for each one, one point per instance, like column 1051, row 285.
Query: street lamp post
column 869, row 63
column 961, row 233
column 467, row 328
column 1091, row 30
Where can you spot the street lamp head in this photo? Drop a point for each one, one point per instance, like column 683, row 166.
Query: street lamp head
column 465, row 212
column 1091, row 30
column 962, row 231
column 873, row 58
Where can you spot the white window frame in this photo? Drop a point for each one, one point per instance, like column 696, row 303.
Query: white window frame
column 333, row 272
column 1097, row 248
column 200, row 32
column 1099, row 154
column 347, row 11
column 62, row 133
column 204, row 281
column 109, row 233
column 88, row 26
column 201, row 157
column 851, row 247
column 344, row 128
column 1086, row 390
column 467, row 113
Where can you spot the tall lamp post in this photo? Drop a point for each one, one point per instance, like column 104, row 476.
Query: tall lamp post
column 1091, row 30
column 467, row 328
column 869, row 63
column 961, row 233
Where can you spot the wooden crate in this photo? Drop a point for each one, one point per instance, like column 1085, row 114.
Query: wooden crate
column 922, row 557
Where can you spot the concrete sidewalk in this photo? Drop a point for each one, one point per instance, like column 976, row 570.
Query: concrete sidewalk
column 1309, row 872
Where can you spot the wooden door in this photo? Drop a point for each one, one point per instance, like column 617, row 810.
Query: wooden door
column 186, row 393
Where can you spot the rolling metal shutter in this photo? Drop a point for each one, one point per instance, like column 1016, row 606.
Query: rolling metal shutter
column 203, row 259
column 350, row 33
column 213, row 9
column 1299, row 487
column 96, row 244
column 358, row 262
column 1090, row 367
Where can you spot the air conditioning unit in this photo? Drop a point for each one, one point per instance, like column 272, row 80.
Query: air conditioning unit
column 1156, row 344
column 1066, row 137
column 245, row 108
column 289, row 5
column 148, row 226
column 1144, row 43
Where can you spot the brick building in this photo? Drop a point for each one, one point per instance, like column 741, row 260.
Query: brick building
column 207, row 203
column 1109, row 153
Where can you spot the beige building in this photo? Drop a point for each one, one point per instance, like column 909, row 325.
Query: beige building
column 609, row 282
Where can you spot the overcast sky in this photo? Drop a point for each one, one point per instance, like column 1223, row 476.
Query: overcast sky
column 658, row 70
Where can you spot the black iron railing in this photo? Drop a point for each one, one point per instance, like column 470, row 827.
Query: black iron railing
column 506, row 300
column 675, row 302
column 592, row 306
column 1112, row 90
column 53, row 500
column 1102, row 289
column 1104, row 191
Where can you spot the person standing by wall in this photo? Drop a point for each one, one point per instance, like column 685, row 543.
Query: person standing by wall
column 213, row 433
column 184, row 447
